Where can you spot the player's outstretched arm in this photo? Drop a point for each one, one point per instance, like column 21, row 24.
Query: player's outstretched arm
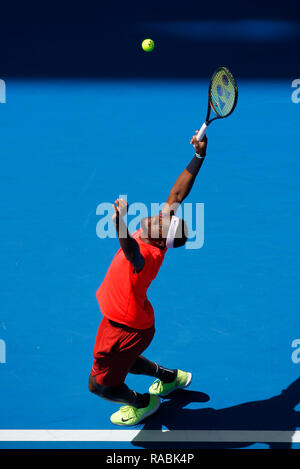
column 129, row 245
column 186, row 179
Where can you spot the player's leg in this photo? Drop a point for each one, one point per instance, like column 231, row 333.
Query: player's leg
column 116, row 349
column 119, row 394
column 137, row 406
column 143, row 366
column 167, row 380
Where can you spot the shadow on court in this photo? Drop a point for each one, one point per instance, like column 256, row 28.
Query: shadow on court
column 274, row 414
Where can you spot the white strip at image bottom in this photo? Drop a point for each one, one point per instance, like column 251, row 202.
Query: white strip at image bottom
column 247, row 436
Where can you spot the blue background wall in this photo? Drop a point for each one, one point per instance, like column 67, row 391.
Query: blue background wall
column 98, row 39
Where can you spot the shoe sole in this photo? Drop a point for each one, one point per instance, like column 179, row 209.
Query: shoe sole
column 147, row 414
column 189, row 380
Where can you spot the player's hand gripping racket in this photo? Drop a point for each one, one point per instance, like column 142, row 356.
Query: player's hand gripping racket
column 222, row 97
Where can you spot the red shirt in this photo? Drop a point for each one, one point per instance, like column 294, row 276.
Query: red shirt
column 122, row 296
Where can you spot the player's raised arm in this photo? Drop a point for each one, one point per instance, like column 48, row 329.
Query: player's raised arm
column 128, row 244
column 186, row 179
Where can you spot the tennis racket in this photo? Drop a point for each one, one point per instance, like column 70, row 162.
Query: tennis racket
column 222, row 97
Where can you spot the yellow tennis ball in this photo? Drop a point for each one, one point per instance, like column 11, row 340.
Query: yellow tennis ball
column 148, row 45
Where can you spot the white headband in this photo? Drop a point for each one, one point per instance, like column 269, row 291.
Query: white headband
column 172, row 231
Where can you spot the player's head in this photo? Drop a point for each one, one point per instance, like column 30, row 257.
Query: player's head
column 165, row 230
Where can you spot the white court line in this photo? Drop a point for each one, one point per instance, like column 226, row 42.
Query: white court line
column 246, row 436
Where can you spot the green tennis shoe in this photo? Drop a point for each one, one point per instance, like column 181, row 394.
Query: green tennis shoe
column 159, row 388
column 128, row 415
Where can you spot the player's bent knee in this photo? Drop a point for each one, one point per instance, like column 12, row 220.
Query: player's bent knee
column 111, row 393
column 93, row 386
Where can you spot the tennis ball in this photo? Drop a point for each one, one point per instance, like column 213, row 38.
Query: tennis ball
column 148, row 45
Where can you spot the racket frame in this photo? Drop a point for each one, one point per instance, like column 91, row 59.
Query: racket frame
column 210, row 105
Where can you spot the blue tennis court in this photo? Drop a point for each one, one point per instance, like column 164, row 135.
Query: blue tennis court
column 228, row 312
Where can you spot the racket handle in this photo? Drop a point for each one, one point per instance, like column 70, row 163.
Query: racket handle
column 202, row 132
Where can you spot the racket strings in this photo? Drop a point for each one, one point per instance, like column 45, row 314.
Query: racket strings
column 223, row 92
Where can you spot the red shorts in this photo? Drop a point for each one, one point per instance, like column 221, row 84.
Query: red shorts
column 116, row 348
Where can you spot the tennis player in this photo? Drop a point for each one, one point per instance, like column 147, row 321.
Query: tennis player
column 127, row 327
